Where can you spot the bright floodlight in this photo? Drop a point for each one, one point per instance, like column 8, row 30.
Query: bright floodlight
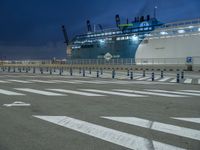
column 199, row 29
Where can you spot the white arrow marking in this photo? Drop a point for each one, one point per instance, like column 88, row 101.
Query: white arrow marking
column 16, row 104
column 195, row 120
column 167, row 128
column 120, row 138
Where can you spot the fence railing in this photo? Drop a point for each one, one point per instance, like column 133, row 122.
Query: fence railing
column 128, row 61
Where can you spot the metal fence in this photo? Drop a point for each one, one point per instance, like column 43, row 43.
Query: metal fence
column 128, row 61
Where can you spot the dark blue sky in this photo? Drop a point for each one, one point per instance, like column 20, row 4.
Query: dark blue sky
column 32, row 29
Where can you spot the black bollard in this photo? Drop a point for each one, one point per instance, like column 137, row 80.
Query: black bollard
column 26, row 70
column 41, row 70
column 71, row 72
column 50, row 71
column 128, row 72
column 178, row 78
column 162, row 75
column 144, row 73
column 90, row 71
column 153, row 76
column 97, row 73
column 182, row 75
column 83, row 72
column 101, row 71
column 113, row 74
column 54, row 70
column 8, row 69
column 131, row 77
column 79, row 70
column 33, row 69
column 60, row 72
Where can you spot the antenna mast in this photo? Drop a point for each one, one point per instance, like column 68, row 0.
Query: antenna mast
column 155, row 8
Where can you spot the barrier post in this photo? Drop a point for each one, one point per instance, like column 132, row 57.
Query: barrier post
column 128, row 72
column 51, row 71
column 178, row 78
column 101, row 71
column 131, row 77
column 33, row 69
column 60, row 71
column 90, row 71
column 97, row 73
column 71, row 72
column 144, row 73
column 162, row 75
column 153, row 76
column 113, row 73
column 83, row 72
column 182, row 75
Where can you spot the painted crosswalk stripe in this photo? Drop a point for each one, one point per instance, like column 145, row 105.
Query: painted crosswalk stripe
column 193, row 91
column 173, row 81
column 156, row 78
column 174, row 92
column 75, row 92
column 113, row 93
column 110, row 135
column 9, row 92
column 162, row 127
column 144, row 78
column 46, row 93
column 194, row 120
column 164, row 79
column 188, row 81
column 94, row 82
column 4, row 81
column 61, row 81
column 150, row 93
column 20, row 81
column 41, row 81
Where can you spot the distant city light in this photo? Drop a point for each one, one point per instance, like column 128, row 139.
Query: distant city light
column 181, row 31
column 163, row 33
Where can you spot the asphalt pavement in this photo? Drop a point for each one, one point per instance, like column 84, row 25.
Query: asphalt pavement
column 42, row 112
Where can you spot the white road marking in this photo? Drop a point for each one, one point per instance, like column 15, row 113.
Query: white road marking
column 198, row 81
column 9, row 92
column 174, row 92
column 39, row 92
column 113, row 93
column 4, row 81
column 20, row 81
column 18, row 104
column 75, row 92
column 93, row 82
column 164, row 79
column 61, row 81
column 144, row 78
column 188, row 81
column 194, row 120
column 42, row 81
column 153, row 125
column 173, row 81
column 156, row 78
column 110, row 135
column 193, row 91
column 137, row 77
column 150, row 93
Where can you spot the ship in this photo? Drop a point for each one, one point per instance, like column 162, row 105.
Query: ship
column 144, row 40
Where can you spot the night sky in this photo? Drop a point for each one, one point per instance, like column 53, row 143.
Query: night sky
column 32, row 29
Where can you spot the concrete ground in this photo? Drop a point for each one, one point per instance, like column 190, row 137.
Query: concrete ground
column 40, row 112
